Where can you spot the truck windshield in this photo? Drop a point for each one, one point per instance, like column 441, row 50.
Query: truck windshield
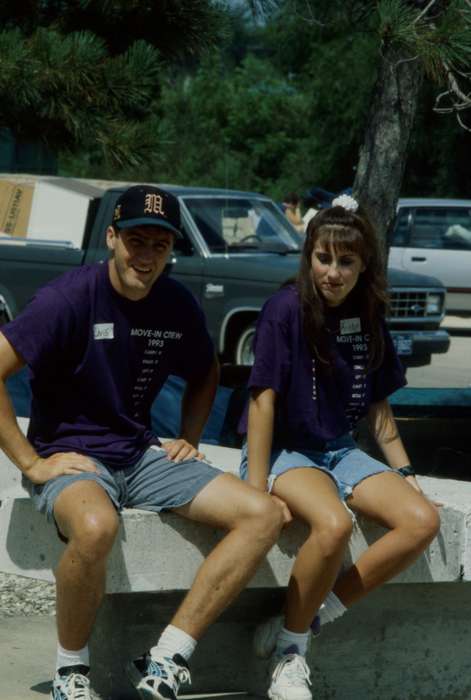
column 241, row 225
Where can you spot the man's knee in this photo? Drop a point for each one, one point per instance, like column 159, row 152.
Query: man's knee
column 263, row 513
column 93, row 538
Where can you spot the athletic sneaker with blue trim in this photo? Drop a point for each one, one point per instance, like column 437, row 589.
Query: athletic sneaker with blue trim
column 290, row 678
column 71, row 683
column 160, row 678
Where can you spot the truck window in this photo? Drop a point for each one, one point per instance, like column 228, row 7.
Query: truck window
column 238, row 224
column 445, row 228
column 183, row 246
column 400, row 234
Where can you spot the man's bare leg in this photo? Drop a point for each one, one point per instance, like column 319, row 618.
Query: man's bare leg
column 254, row 521
column 87, row 518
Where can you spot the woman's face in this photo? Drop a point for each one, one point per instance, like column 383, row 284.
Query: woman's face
column 335, row 272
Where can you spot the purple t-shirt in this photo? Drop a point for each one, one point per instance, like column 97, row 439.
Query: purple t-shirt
column 314, row 406
column 97, row 361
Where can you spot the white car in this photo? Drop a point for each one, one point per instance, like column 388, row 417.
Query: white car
column 433, row 237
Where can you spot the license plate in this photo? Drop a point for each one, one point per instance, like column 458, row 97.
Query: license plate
column 403, row 344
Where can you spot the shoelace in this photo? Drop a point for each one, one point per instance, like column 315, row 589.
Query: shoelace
column 169, row 671
column 77, row 687
column 295, row 668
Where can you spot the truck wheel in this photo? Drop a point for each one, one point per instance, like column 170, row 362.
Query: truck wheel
column 243, row 351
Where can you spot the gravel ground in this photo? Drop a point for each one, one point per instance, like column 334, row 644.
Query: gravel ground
column 25, row 596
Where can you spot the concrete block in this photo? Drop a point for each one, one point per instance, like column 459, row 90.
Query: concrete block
column 408, row 640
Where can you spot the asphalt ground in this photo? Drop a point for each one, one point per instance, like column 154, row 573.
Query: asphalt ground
column 453, row 368
column 27, row 657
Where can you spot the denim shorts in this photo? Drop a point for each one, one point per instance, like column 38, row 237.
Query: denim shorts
column 153, row 483
column 340, row 459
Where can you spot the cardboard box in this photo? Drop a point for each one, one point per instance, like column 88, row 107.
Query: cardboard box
column 15, row 208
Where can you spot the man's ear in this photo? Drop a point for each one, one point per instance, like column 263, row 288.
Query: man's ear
column 111, row 236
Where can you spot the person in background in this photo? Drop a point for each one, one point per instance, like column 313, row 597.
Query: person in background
column 323, row 360
column 291, row 209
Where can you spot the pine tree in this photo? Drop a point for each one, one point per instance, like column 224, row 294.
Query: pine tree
column 84, row 75
column 417, row 40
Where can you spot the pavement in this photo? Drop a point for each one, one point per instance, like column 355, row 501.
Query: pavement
column 453, row 368
column 27, row 656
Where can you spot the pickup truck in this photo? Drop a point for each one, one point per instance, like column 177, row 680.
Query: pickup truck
column 237, row 249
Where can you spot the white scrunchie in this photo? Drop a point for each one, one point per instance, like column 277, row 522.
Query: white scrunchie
column 346, row 202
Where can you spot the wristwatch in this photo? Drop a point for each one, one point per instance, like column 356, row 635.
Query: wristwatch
column 407, row 470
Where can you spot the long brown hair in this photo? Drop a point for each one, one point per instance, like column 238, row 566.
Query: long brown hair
column 350, row 232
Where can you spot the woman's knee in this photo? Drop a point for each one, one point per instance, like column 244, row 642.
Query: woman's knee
column 423, row 523
column 333, row 532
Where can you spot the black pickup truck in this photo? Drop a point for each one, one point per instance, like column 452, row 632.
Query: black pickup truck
column 238, row 248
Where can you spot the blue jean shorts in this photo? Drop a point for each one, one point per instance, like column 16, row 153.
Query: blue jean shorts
column 153, row 483
column 341, row 459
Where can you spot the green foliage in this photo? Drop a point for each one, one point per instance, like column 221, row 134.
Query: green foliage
column 235, row 130
column 176, row 27
column 66, row 90
column 283, row 105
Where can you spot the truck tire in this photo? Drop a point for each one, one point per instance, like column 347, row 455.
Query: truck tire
column 243, row 354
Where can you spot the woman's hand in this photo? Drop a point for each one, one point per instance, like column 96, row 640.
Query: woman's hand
column 415, row 484
column 287, row 517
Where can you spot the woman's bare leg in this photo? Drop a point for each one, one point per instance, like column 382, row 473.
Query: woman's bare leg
column 312, row 496
column 413, row 521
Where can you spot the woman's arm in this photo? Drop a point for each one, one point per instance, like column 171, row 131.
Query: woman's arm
column 260, row 436
column 385, row 432
column 259, row 442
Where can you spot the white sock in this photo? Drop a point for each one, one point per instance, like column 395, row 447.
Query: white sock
column 174, row 641
column 287, row 640
column 331, row 609
column 81, row 657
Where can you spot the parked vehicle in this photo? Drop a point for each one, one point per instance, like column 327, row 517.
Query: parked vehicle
column 238, row 248
column 433, row 237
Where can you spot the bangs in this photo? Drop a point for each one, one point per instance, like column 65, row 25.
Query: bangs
column 342, row 239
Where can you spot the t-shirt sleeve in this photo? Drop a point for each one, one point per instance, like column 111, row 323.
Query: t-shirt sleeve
column 40, row 332
column 197, row 351
column 272, row 352
column 390, row 376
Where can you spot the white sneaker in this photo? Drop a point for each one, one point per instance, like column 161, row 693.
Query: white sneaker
column 290, row 678
column 71, row 683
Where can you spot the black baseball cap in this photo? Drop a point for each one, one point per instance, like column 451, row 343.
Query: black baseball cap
column 145, row 205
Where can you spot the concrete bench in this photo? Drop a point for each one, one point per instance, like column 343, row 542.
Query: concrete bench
column 411, row 639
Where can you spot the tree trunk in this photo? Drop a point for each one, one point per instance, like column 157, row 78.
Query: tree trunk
column 384, row 152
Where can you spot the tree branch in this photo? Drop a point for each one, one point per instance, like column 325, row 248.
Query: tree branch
column 424, row 11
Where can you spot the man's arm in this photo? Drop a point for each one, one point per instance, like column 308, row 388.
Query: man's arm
column 196, row 405
column 12, row 441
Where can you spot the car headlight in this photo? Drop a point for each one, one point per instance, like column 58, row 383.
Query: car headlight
column 434, row 303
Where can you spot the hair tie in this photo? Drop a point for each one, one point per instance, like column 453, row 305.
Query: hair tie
column 346, row 202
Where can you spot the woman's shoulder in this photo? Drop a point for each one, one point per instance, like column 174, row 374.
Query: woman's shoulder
column 282, row 305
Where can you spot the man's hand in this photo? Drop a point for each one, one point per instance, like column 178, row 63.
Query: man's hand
column 287, row 517
column 180, row 449
column 58, row 464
